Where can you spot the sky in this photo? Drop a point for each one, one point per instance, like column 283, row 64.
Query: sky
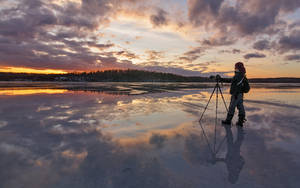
column 186, row 37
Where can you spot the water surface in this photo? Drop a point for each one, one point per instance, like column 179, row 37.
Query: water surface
column 58, row 136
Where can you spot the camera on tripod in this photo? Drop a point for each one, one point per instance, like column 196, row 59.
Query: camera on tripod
column 217, row 78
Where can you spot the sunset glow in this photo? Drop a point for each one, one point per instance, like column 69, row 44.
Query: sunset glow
column 188, row 37
column 14, row 92
column 30, row 70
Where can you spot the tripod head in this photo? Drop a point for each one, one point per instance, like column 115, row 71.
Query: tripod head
column 218, row 78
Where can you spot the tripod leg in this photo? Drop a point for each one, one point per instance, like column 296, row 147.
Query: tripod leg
column 216, row 119
column 207, row 103
column 223, row 98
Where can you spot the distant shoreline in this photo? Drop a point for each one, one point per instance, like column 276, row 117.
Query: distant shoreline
column 125, row 76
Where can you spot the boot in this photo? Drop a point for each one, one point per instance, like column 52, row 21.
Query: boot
column 241, row 120
column 228, row 119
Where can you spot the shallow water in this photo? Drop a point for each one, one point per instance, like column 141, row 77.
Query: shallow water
column 58, row 137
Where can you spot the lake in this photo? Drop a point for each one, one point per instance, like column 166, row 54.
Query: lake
column 146, row 135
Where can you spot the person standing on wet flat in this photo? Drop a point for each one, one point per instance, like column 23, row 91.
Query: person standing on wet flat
column 239, row 86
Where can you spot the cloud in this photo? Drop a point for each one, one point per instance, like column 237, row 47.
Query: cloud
column 236, row 51
column 290, row 42
column 241, row 17
column 154, row 55
column 219, row 41
column 233, row 51
column 295, row 24
column 192, row 54
column 201, row 11
column 160, row 18
column 58, row 35
column 254, row 55
column 262, row 45
column 173, row 70
column 127, row 54
column 68, row 35
column 295, row 57
column 45, row 35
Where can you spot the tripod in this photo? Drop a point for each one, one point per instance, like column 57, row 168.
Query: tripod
column 216, row 90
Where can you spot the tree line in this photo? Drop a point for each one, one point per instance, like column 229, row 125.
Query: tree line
column 104, row 76
column 128, row 75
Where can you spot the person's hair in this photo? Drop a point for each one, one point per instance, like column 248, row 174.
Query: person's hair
column 240, row 67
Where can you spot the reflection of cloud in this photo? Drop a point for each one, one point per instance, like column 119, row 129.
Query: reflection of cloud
column 157, row 140
column 273, row 104
column 196, row 150
column 41, row 152
column 3, row 124
column 43, row 108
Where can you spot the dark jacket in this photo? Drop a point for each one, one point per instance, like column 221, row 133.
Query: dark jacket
column 236, row 85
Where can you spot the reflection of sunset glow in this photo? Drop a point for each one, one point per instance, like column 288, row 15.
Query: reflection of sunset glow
column 30, row 70
column 179, row 130
column 31, row 91
column 62, row 2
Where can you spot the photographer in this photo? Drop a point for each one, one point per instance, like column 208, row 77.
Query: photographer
column 239, row 86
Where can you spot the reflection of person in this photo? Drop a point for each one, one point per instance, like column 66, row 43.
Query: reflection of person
column 233, row 160
column 237, row 94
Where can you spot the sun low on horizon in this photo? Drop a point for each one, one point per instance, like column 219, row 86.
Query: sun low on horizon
column 184, row 37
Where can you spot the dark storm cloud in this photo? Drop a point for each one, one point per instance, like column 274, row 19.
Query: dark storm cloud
column 254, row 55
column 290, row 42
column 160, row 18
column 295, row 57
column 262, row 45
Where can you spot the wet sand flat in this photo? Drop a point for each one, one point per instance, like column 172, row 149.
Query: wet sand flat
column 146, row 135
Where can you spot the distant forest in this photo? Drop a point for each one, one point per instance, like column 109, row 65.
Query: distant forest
column 104, row 76
column 125, row 76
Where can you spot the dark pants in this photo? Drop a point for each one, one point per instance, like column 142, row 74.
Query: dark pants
column 237, row 101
